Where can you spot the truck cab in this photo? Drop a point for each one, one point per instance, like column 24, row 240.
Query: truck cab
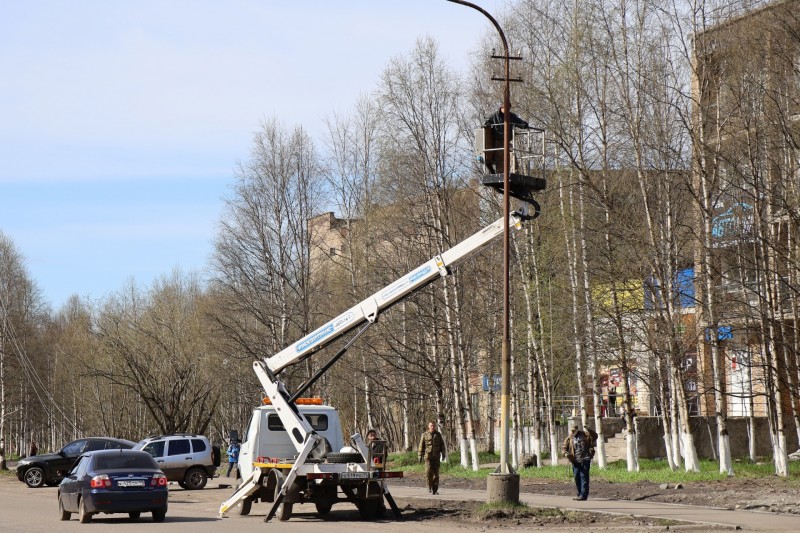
column 267, row 438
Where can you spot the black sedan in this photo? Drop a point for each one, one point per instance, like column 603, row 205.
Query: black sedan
column 50, row 468
column 118, row 481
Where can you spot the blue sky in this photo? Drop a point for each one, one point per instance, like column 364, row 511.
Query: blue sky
column 121, row 121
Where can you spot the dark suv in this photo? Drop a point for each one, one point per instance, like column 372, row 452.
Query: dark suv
column 50, row 468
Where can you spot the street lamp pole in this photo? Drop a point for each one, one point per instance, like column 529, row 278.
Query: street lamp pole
column 505, row 372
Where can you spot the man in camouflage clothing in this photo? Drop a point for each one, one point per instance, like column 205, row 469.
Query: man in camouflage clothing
column 431, row 448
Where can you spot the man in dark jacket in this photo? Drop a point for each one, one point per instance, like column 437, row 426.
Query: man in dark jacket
column 496, row 122
column 431, row 448
column 578, row 447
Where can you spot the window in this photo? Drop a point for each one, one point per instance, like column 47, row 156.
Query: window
column 125, row 461
column 94, row 445
column 178, row 447
column 77, row 465
column 475, row 404
column 198, row 445
column 318, row 422
column 74, row 449
column 114, row 445
column 156, row 449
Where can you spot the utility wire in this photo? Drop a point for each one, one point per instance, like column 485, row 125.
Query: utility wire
column 38, row 386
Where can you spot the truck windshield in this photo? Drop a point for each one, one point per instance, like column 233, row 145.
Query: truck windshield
column 318, row 422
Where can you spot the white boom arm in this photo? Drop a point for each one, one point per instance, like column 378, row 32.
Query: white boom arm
column 369, row 308
column 302, row 435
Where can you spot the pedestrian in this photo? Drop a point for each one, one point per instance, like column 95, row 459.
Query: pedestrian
column 431, row 449
column 578, row 448
column 233, row 457
column 612, row 400
column 34, row 449
column 3, row 465
column 377, row 448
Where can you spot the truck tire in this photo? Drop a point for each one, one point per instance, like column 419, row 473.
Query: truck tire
column 344, row 457
column 247, row 504
column 368, row 509
column 284, row 511
column 323, row 507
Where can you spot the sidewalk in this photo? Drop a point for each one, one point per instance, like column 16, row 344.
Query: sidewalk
column 746, row 520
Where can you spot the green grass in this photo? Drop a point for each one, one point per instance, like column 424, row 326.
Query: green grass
column 656, row 471
column 506, row 506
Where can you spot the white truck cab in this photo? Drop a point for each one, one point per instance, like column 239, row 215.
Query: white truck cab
column 267, row 439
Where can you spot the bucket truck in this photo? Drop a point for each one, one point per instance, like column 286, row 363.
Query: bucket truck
column 302, row 468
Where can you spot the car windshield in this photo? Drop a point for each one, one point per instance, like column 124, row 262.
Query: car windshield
column 124, row 462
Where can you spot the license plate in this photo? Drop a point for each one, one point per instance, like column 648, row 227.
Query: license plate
column 130, row 483
column 354, row 475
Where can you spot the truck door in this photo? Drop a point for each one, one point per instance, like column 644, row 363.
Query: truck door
column 248, row 452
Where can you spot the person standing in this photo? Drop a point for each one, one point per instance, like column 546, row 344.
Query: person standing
column 496, row 124
column 233, row 457
column 578, row 447
column 431, row 449
column 34, row 449
column 3, row 454
column 612, row 400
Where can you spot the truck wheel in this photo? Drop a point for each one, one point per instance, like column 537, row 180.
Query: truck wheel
column 324, row 508
column 247, row 504
column 195, row 479
column 344, row 457
column 368, row 509
column 34, row 477
column 284, row 511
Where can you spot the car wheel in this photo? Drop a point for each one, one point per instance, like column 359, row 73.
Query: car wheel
column 160, row 515
column 83, row 516
column 134, row 515
column 34, row 477
column 64, row 515
column 195, row 479
column 182, row 484
column 324, row 508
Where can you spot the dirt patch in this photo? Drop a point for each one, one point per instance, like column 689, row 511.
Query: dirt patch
column 469, row 514
column 771, row 494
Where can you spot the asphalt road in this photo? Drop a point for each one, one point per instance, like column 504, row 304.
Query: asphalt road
column 35, row 510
